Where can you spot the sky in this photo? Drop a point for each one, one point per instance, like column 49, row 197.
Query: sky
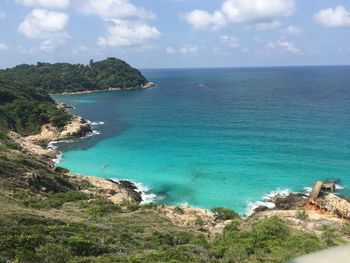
column 176, row 33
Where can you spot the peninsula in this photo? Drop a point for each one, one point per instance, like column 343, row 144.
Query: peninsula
column 58, row 78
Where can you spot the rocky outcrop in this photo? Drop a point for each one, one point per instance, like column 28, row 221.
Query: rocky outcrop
column 334, row 204
column 29, row 147
column 197, row 218
column 112, row 190
column 76, row 128
column 289, row 202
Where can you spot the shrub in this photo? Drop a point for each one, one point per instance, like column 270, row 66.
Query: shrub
column 54, row 253
column 302, row 215
column 224, row 213
column 178, row 210
column 199, row 221
column 83, row 247
column 149, row 206
column 56, row 200
column 102, row 206
column 61, row 170
column 131, row 207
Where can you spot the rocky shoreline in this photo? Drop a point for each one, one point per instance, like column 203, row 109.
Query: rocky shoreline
column 286, row 206
column 119, row 192
column 147, row 85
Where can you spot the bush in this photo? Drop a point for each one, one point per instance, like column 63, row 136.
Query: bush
column 149, row 206
column 54, row 253
column 83, row 247
column 61, row 170
column 224, row 213
column 131, row 207
column 102, row 206
column 56, row 200
column 199, row 221
column 302, row 215
column 178, row 210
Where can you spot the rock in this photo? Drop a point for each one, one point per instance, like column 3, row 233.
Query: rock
column 135, row 195
column 78, row 127
column 64, row 106
column 260, row 209
column 110, row 189
column 289, row 202
column 128, row 184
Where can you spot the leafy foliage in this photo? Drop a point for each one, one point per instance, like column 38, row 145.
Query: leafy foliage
column 224, row 213
column 64, row 77
column 269, row 240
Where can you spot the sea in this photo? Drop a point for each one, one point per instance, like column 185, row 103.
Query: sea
column 221, row 137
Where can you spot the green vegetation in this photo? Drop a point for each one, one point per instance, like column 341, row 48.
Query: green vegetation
column 178, row 210
column 268, row 240
column 64, row 77
column 224, row 213
column 25, row 110
column 44, row 217
column 302, row 215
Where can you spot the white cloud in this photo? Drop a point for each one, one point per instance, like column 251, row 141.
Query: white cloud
column 338, row 17
column 126, row 23
column 115, row 9
column 200, row 19
column 126, row 33
column 186, row 50
column 292, row 30
column 286, row 45
column 231, row 41
column 46, row 25
column 242, row 11
column 45, row 3
column 268, row 25
column 3, row 47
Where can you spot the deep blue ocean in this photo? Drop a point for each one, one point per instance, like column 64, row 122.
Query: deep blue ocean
column 219, row 137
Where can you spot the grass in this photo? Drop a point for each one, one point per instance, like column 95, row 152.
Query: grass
column 47, row 220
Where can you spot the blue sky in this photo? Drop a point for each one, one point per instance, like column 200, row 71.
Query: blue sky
column 176, row 33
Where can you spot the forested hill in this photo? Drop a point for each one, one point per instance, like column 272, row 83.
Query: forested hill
column 64, row 77
column 24, row 109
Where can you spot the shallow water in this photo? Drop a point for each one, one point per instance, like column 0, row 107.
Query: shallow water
column 219, row 137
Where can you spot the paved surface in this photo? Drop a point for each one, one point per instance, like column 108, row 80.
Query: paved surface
column 332, row 255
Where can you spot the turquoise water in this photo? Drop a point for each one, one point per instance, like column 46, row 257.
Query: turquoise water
column 220, row 137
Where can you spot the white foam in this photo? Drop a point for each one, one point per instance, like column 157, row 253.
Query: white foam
column 58, row 158
column 338, row 187
column 95, row 123
column 307, row 190
column 146, row 194
column 266, row 201
column 251, row 206
column 278, row 192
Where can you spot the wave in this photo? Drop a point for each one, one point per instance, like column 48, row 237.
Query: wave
column 95, row 123
column 58, row 158
column 203, row 86
column 265, row 201
column 146, row 194
column 339, row 187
